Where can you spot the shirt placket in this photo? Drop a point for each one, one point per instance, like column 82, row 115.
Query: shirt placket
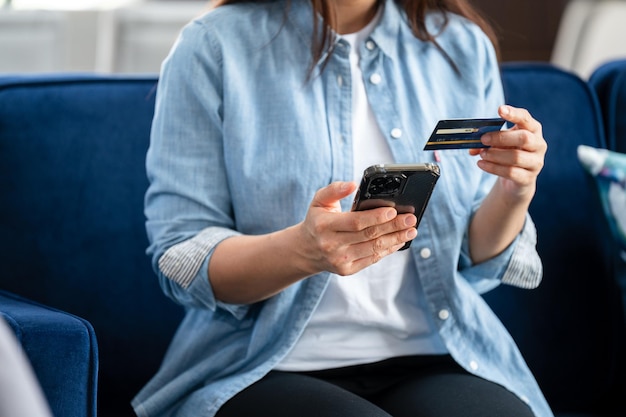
column 382, row 101
column 425, row 252
column 338, row 87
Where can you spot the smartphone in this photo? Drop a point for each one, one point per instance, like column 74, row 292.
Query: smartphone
column 405, row 187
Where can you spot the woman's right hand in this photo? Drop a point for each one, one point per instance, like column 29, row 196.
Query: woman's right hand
column 347, row 242
column 249, row 268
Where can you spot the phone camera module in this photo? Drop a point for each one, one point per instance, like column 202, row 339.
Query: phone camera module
column 386, row 185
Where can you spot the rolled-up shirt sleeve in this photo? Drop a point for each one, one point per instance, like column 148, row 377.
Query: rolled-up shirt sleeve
column 181, row 262
column 183, row 270
column 188, row 203
column 525, row 269
column 518, row 265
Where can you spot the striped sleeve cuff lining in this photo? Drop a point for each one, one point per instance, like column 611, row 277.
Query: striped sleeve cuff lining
column 182, row 262
column 525, row 269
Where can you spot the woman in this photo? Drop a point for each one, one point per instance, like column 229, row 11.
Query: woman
column 296, row 306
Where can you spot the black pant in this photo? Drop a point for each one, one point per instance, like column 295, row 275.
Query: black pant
column 415, row 386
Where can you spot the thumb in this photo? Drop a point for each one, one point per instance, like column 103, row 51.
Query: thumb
column 330, row 195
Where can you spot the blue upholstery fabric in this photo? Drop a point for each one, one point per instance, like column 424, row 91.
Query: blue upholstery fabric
column 570, row 329
column 72, row 180
column 609, row 83
column 63, row 349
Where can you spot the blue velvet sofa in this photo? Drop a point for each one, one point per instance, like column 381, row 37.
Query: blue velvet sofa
column 72, row 180
column 571, row 329
column 77, row 288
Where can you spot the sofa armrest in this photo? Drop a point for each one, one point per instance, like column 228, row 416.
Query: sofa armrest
column 62, row 350
column 20, row 393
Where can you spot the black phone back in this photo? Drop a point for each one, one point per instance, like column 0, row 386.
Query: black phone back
column 405, row 187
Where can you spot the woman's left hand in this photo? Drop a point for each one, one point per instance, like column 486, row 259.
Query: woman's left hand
column 516, row 155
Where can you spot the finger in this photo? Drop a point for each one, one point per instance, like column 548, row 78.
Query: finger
column 513, row 157
column 364, row 262
column 518, row 175
column 377, row 238
column 514, row 139
column 399, row 223
column 358, row 221
column 384, row 245
column 368, row 253
column 329, row 196
column 521, row 118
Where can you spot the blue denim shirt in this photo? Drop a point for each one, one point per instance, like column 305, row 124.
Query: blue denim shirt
column 240, row 143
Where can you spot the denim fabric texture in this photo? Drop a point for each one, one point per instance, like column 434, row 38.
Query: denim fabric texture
column 241, row 140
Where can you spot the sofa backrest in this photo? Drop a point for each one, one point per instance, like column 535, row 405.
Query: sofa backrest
column 609, row 83
column 72, row 180
column 570, row 329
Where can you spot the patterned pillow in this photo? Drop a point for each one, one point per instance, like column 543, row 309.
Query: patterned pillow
column 609, row 170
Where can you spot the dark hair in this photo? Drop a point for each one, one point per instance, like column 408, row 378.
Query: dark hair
column 416, row 11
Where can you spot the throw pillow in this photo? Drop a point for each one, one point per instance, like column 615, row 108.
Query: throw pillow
column 608, row 168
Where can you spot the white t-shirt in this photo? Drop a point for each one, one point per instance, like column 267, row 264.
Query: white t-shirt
column 378, row 312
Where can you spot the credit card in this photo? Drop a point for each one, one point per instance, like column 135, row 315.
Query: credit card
column 461, row 133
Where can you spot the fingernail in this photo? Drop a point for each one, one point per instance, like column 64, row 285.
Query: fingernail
column 411, row 234
column 390, row 214
column 505, row 110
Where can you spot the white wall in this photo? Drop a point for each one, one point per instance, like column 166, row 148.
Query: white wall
column 133, row 37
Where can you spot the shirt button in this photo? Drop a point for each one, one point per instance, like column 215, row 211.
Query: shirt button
column 376, row 79
column 425, row 253
column 473, row 365
column 444, row 314
column 339, row 80
column 396, row 133
column 370, row 45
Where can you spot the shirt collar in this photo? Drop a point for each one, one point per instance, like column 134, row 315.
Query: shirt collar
column 385, row 34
